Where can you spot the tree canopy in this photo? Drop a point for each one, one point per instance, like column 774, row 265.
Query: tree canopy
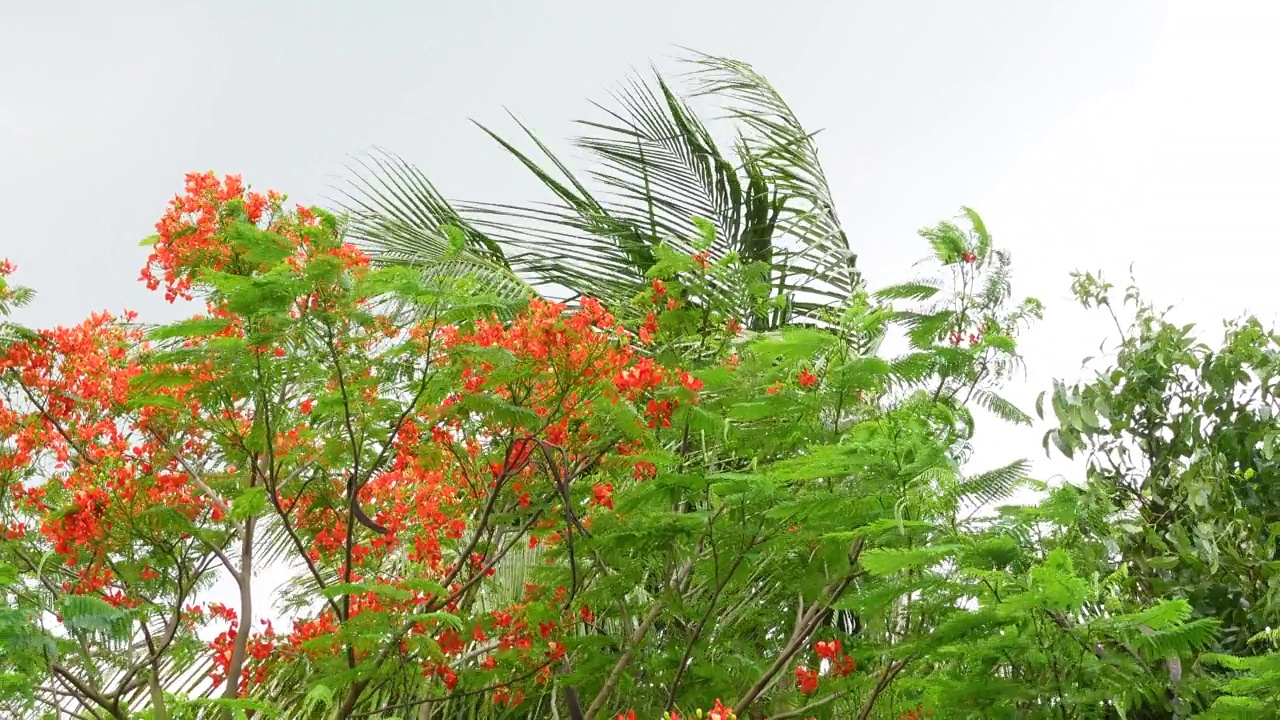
column 638, row 454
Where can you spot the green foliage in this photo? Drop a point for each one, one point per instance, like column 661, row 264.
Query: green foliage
column 807, row 512
column 1180, row 438
column 1249, row 686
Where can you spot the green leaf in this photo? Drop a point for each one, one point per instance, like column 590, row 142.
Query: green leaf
column 919, row 290
column 819, row 462
column 86, row 613
column 8, row 574
column 793, row 344
column 862, row 371
column 249, row 503
column 1061, row 443
column 890, row 561
column 258, row 246
column 993, row 485
column 337, row 590
column 195, row 327
column 706, row 229
column 441, row 617
column 320, row 697
column 882, row 527
column 1002, row 408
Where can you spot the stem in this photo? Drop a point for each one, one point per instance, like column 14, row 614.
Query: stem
column 159, row 710
column 239, row 649
column 890, row 672
column 697, row 631
column 804, row 711
column 85, row 692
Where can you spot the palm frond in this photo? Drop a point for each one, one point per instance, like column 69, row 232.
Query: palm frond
column 396, row 212
column 656, row 172
column 787, row 157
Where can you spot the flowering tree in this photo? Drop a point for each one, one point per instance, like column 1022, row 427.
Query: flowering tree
column 484, row 507
column 379, row 431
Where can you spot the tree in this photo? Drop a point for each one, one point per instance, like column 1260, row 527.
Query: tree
column 370, row 426
column 507, row 508
column 1180, row 439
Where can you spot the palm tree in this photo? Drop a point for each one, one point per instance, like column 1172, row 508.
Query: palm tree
column 657, row 172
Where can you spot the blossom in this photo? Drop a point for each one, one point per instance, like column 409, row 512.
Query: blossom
column 806, row 679
column 602, row 493
column 827, row 649
column 137, row 449
column 644, row 470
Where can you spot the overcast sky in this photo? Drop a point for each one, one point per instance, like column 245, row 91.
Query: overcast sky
column 1089, row 134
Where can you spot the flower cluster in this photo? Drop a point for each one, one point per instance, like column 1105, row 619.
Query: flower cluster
column 717, row 712
column 830, row 653
column 199, row 231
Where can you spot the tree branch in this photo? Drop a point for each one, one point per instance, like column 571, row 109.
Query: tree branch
column 887, row 675
column 805, row 625
column 804, row 711
column 239, row 649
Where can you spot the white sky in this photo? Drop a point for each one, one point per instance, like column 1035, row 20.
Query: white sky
column 1089, row 134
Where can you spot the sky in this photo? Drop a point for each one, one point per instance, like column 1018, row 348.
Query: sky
column 1091, row 134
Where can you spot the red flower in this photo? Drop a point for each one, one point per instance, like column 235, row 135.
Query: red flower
column 644, row 470
column 449, row 677
column 720, row 712
column 690, row 382
column 518, row 456
column 827, row 649
column 650, row 328
column 806, row 679
column 603, row 494
column 845, row 665
column 807, row 379
column 968, row 257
